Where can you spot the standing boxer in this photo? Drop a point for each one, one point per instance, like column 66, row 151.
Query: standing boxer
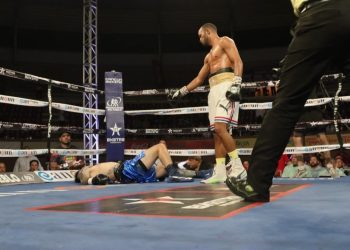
column 224, row 67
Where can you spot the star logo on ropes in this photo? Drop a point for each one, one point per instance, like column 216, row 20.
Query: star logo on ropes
column 164, row 199
column 115, row 129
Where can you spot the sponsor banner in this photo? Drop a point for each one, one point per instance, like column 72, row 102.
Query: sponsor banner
column 77, row 109
column 255, row 106
column 156, row 131
column 176, row 111
column 77, row 151
column 242, row 106
column 310, row 149
column 22, row 101
column 21, row 152
column 114, row 116
column 176, row 152
column 134, row 131
column 19, row 178
column 186, row 143
column 244, row 146
column 60, row 106
column 247, row 85
column 189, row 110
column 317, row 102
column 241, row 151
column 162, row 91
column 200, row 130
column 56, row 176
column 31, row 126
column 29, row 77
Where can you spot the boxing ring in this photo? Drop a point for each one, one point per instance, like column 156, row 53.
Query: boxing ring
column 303, row 213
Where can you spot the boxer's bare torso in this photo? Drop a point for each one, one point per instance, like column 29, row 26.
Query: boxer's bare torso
column 106, row 168
column 217, row 58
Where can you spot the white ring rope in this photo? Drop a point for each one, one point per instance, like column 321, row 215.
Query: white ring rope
column 243, row 151
column 60, row 106
column 173, row 152
column 177, row 111
column 173, row 111
column 29, row 152
column 243, row 106
column 156, row 131
column 22, row 101
column 201, row 89
column 29, row 77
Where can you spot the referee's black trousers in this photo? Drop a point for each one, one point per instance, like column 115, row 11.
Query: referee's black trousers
column 321, row 40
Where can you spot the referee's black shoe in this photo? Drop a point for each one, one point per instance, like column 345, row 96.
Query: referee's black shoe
column 244, row 190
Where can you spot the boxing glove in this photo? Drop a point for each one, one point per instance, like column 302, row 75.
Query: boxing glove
column 233, row 93
column 179, row 93
column 99, row 179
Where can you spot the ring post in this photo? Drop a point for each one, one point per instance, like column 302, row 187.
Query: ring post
column 115, row 134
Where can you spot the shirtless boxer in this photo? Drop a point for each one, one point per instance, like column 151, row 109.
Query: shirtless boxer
column 224, row 67
column 139, row 169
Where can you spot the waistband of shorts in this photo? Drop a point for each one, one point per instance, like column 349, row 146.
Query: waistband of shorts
column 118, row 173
column 228, row 69
column 220, row 77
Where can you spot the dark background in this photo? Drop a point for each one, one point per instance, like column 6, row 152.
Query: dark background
column 153, row 42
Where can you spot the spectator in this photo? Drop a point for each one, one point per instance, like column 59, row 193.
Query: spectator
column 2, row 167
column 58, row 162
column 315, row 167
column 246, row 165
column 302, row 170
column 34, row 166
column 291, row 169
column 22, row 164
column 339, row 163
column 312, row 114
column 333, row 169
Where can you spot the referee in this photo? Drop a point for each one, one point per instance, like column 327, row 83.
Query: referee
column 321, row 41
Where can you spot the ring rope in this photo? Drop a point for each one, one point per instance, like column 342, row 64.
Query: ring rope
column 31, row 126
column 200, row 89
column 173, row 152
column 243, row 106
column 156, row 131
column 65, row 85
column 191, row 110
column 30, row 152
column 173, row 111
column 60, row 106
column 243, row 151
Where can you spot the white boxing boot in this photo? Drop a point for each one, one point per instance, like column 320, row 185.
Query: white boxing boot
column 219, row 175
column 236, row 170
